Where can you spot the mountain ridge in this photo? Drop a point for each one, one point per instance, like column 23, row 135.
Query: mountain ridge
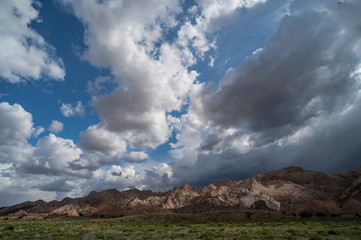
column 291, row 190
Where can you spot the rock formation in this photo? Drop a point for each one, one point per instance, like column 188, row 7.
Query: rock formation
column 291, row 190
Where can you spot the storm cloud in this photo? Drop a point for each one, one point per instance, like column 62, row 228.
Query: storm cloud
column 303, row 71
column 295, row 101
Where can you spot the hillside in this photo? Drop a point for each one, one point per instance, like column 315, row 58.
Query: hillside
column 291, row 190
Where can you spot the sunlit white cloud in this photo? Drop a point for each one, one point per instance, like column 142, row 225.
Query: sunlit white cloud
column 75, row 110
column 153, row 75
column 52, row 156
column 56, row 126
column 37, row 131
column 16, row 126
column 24, row 53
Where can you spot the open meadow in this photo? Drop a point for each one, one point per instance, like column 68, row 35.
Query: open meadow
column 180, row 226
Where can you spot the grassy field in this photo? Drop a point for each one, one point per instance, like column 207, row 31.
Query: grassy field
column 180, row 226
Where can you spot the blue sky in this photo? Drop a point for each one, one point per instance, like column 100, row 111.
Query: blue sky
column 123, row 94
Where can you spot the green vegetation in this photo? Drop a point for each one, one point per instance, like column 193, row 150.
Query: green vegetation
column 180, row 226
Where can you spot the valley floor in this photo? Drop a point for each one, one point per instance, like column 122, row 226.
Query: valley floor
column 181, row 226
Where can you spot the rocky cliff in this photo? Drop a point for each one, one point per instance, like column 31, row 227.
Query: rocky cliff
column 291, row 190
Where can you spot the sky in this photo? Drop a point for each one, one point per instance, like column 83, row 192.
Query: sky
column 156, row 94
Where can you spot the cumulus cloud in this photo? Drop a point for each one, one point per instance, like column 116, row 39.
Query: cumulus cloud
column 65, row 168
column 136, row 157
column 56, row 126
column 163, row 169
column 101, row 179
column 16, row 188
column 123, row 178
column 37, row 131
column 24, row 53
column 16, row 126
column 212, row 15
column 153, row 76
column 148, row 87
column 97, row 139
column 75, row 110
column 100, row 85
column 52, row 156
column 59, row 185
column 159, row 178
column 88, row 162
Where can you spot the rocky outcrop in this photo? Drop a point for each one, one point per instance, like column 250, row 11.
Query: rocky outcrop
column 291, row 190
column 70, row 210
column 20, row 213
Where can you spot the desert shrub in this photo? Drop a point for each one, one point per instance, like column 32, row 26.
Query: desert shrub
column 6, row 218
column 332, row 232
column 291, row 238
column 292, row 231
column 320, row 214
column 321, row 233
column 315, row 237
column 208, row 235
column 9, row 228
column 305, row 214
column 81, row 214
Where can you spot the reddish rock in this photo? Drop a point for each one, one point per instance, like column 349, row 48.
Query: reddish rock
column 72, row 213
column 352, row 207
column 328, row 207
column 20, row 213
